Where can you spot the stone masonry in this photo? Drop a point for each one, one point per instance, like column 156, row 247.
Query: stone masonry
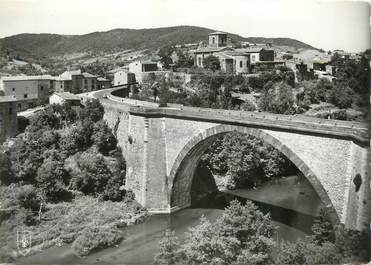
column 162, row 147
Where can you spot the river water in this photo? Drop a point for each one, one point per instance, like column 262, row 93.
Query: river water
column 291, row 201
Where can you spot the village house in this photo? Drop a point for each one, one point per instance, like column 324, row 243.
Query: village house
column 75, row 82
column 238, row 61
column 60, row 98
column 122, row 77
column 103, row 83
column 30, row 91
column 143, row 66
column 8, row 117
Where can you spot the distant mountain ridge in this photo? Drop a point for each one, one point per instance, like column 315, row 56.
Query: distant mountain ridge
column 46, row 45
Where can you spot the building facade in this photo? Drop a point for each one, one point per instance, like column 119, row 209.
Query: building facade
column 60, row 98
column 143, row 66
column 30, row 91
column 75, row 82
column 123, row 77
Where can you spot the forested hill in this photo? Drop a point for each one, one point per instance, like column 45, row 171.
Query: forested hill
column 40, row 45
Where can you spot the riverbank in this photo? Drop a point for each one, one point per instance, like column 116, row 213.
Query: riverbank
column 85, row 225
column 141, row 240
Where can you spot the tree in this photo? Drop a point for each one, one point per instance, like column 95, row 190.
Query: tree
column 165, row 54
column 42, row 120
column 277, row 98
column 183, row 59
column 103, row 138
column 322, row 228
column 245, row 160
column 212, row 63
column 341, row 96
column 6, row 174
column 52, row 179
column 93, row 110
column 170, row 250
column 241, row 235
column 77, row 137
column 95, row 178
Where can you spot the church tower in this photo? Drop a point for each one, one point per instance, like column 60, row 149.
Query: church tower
column 217, row 39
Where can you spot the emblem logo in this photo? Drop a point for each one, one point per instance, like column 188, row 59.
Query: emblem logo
column 24, row 242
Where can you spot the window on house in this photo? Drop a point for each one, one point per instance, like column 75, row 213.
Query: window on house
column 86, row 81
column 25, row 96
column 10, row 110
column 199, row 61
column 41, row 88
column 13, row 89
column 19, row 106
column 213, row 40
column 253, row 57
column 240, row 64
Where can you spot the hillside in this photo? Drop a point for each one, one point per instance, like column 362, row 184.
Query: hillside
column 46, row 45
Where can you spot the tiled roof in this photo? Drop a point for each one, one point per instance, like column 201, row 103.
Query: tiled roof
column 27, row 77
column 235, row 53
column 67, row 95
column 217, row 33
column 101, row 79
column 88, row 75
column 209, row 49
column 250, row 49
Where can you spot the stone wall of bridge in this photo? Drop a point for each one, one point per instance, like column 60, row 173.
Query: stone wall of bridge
column 162, row 154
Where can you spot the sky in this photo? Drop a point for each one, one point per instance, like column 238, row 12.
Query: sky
column 326, row 24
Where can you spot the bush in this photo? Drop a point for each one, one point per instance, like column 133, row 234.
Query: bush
column 341, row 96
column 93, row 110
column 103, row 138
column 306, row 251
column 277, row 98
column 76, row 138
column 247, row 106
column 52, row 179
column 95, row 178
column 170, row 251
column 94, row 238
column 6, row 175
column 212, row 63
column 24, row 196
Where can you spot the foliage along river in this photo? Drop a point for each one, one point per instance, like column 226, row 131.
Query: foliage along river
column 291, row 201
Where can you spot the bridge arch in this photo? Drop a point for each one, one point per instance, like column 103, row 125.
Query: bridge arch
column 185, row 164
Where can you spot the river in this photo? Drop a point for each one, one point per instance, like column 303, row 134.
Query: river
column 291, row 201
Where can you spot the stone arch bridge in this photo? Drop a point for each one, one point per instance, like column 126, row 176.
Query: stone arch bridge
column 162, row 146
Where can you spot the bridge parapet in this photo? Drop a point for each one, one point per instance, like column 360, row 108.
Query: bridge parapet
column 356, row 131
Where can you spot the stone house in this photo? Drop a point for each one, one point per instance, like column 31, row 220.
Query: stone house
column 75, row 82
column 30, row 91
column 143, row 66
column 63, row 97
column 123, row 77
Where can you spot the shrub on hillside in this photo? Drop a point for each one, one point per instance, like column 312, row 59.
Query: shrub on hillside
column 93, row 177
column 52, row 179
column 76, row 138
column 94, row 238
column 93, row 110
column 306, row 251
column 103, row 138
